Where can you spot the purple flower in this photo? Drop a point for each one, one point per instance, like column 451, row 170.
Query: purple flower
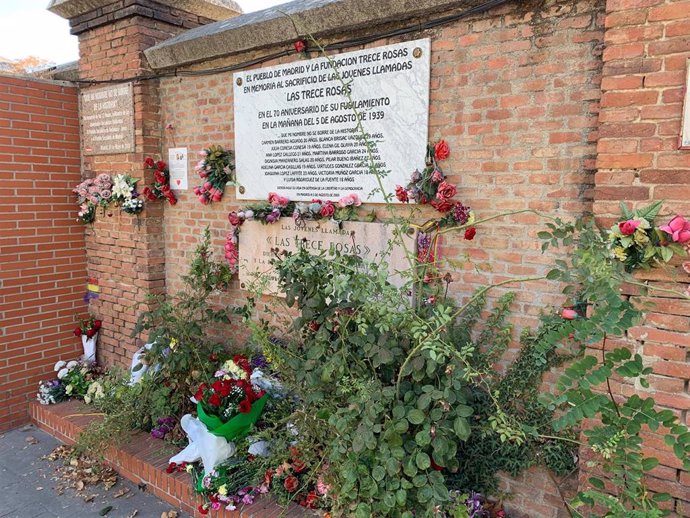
column 258, row 361
column 461, row 213
column 247, row 499
column 157, row 433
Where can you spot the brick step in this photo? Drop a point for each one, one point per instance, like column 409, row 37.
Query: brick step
column 143, row 459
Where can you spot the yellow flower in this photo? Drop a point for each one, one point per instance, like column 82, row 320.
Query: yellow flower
column 641, row 237
column 68, row 389
column 223, row 490
column 471, row 218
column 173, row 344
column 620, row 254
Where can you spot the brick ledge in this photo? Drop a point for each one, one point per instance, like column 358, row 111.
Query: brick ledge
column 143, row 459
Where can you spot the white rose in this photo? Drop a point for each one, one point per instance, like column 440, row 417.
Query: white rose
column 59, row 365
column 72, row 364
column 62, row 373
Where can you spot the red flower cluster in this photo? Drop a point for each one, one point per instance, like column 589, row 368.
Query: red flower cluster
column 161, row 185
column 430, row 186
column 88, row 327
column 179, row 468
column 227, row 396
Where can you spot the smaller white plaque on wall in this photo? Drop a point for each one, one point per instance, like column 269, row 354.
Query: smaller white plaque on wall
column 178, row 165
column 685, row 125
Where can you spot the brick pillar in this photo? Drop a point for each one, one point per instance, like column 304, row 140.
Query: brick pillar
column 126, row 254
column 645, row 59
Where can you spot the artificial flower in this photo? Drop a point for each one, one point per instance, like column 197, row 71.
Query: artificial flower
column 470, row 233
column 401, row 194
column 445, row 190
column 627, row 228
column 678, row 228
column 441, row 150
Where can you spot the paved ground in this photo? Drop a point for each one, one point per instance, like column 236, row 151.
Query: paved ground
column 27, row 485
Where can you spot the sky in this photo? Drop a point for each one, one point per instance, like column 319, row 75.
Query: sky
column 28, row 29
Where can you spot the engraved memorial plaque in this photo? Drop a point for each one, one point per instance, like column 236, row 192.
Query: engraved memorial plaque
column 107, row 119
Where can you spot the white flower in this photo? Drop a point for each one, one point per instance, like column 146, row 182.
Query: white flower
column 121, row 188
column 72, row 364
column 68, row 389
column 62, row 373
column 59, row 365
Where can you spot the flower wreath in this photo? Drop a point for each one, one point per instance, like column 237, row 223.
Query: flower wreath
column 277, row 207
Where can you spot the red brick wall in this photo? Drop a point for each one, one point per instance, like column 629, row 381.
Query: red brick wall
column 43, row 272
column 647, row 47
column 515, row 92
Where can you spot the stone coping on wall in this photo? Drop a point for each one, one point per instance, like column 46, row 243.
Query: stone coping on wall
column 143, row 459
column 213, row 9
column 283, row 24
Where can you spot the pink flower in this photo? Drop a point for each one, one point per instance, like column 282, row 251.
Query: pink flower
column 441, row 150
column 215, row 505
column 446, row 190
column 327, row 209
column 234, row 219
column 349, row 200
column 568, row 314
column 437, row 176
column 679, row 228
column 276, row 200
column 629, row 227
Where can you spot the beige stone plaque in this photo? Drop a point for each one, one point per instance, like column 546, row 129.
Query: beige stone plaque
column 107, row 119
column 367, row 240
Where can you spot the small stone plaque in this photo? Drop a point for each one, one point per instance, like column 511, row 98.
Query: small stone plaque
column 367, row 240
column 107, row 119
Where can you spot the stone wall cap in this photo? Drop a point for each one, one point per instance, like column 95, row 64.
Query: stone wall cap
column 213, row 9
column 274, row 26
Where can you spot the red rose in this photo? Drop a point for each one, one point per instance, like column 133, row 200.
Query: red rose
column 77, row 331
column 165, row 189
column 217, row 385
column 401, row 194
column 327, row 209
column 90, row 333
column 441, row 150
column 160, row 177
column 171, row 467
column 298, row 466
column 314, row 325
column 629, row 227
column 310, row 501
column 171, row 197
column 470, row 233
column 149, row 162
column 290, row 484
column 151, row 196
column 160, row 165
column 225, row 389
column 268, row 476
column 213, row 357
column 245, row 406
column 235, row 221
column 435, row 466
column 445, row 190
column 202, row 509
column 300, row 46
column 442, row 205
column 97, row 324
column 214, row 400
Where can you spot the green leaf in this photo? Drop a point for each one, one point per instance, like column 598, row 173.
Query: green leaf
column 378, row 473
column 649, row 463
column 415, row 416
column 461, row 428
column 554, row 274
column 423, row 461
column 597, row 483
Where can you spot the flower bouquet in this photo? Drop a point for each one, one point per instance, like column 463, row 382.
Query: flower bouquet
column 293, row 481
column 76, row 377
column 230, row 405
column 88, row 331
column 51, row 392
column 126, row 195
column 217, row 169
column 92, row 193
column 161, row 185
column 638, row 243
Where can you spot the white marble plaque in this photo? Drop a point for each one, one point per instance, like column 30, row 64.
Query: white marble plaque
column 297, row 134
column 685, row 126
column 107, row 119
column 258, row 244
column 178, row 166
